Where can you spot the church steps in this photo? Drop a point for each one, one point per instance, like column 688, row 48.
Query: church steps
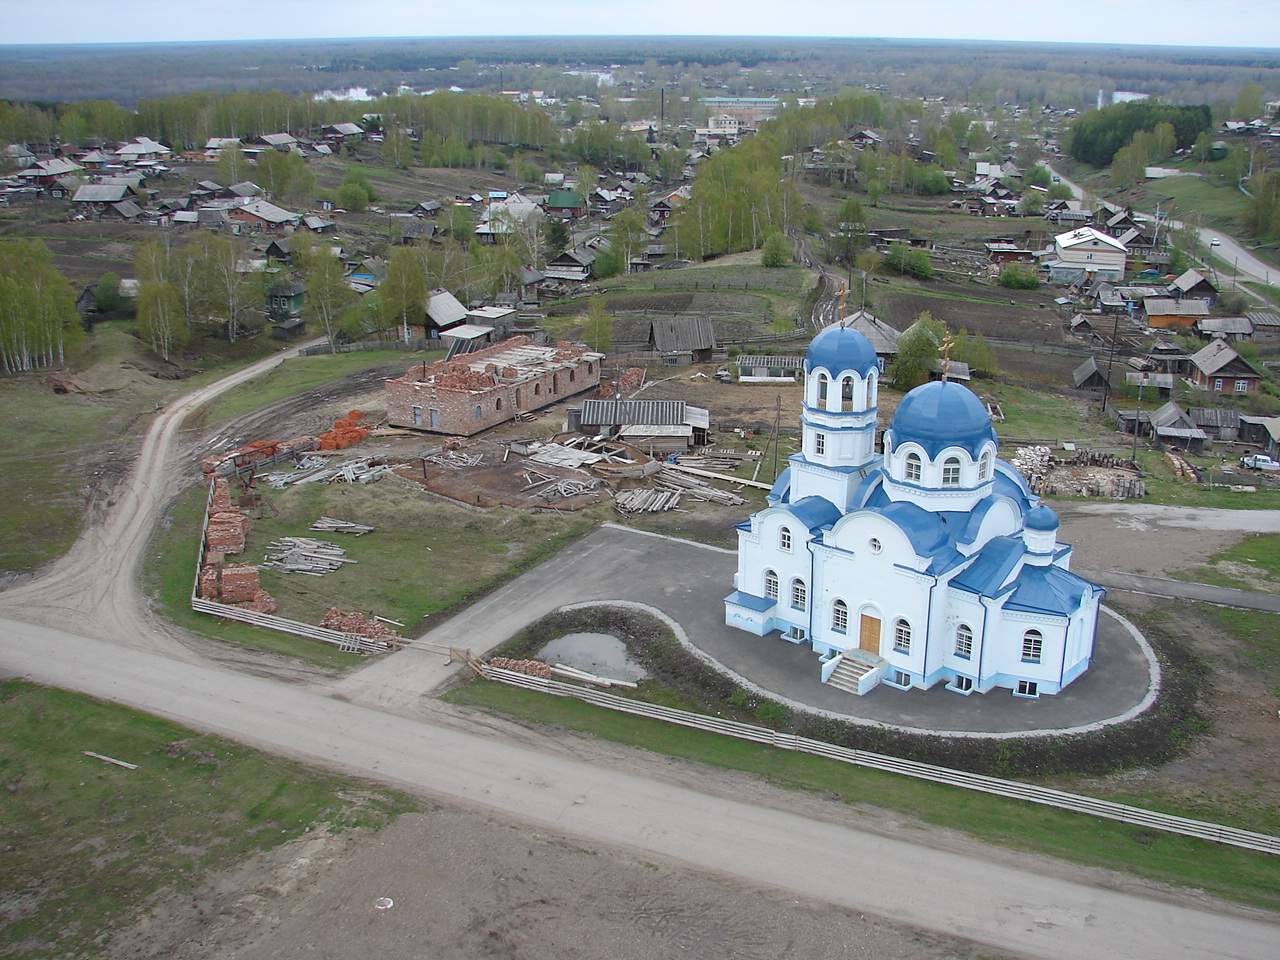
column 849, row 672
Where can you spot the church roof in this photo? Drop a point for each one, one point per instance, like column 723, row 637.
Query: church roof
column 991, row 567
column 1042, row 518
column 814, row 512
column 1049, row 589
column 942, row 414
column 839, row 348
column 927, row 532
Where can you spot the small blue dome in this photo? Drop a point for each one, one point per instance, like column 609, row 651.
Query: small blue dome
column 942, row 414
column 1042, row 518
column 840, row 348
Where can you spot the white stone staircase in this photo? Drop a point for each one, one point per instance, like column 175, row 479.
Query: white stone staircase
column 852, row 674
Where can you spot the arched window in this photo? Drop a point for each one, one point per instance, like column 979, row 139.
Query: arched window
column 913, row 467
column 784, row 539
column 799, row 594
column 984, row 470
column 873, row 390
column 846, row 395
column 479, row 411
column 770, row 585
column 901, row 636
column 964, row 641
column 822, row 390
column 537, row 389
column 951, row 472
column 497, row 404
column 1032, row 646
column 840, row 617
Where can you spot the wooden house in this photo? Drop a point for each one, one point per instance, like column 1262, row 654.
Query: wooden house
column 1217, row 368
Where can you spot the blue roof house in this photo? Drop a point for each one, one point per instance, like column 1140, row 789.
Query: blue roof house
column 931, row 562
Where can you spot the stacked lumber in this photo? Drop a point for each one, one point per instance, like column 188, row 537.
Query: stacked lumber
column 564, row 489
column 708, row 462
column 332, row 525
column 456, row 458
column 354, row 623
column 318, row 470
column 1181, row 468
column 646, row 501
column 532, row 668
column 305, row 555
column 674, row 480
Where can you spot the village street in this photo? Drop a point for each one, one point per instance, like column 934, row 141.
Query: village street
column 84, row 627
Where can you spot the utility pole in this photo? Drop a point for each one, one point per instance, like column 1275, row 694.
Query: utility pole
column 1137, row 419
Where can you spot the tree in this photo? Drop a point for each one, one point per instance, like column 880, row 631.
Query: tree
column 776, row 251
column 397, row 149
column 231, row 289
column 161, row 322
column 107, row 293
column 1014, row 277
column 917, row 352
column 1248, row 103
column 1037, row 176
column 598, row 328
column 909, row 260
column 402, row 295
column 232, row 165
column 352, row 197
column 39, row 325
column 327, row 293
column 558, row 237
column 627, row 237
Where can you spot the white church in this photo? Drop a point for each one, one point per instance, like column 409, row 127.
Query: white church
column 930, row 563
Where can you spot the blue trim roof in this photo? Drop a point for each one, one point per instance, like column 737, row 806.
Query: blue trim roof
column 991, row 567
column 780, row 492
column 840, row 348
column 750, row 601
column 926, row 531
column 1049, row 590
column 942, row 414
column 813, row 512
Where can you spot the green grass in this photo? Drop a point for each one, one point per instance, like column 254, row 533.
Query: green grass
column 1040, row 415
column 87, row 844
column 1217, row 203
column 1261, row 552
column 1163, row 486
column 304, row 373
column 1167, row 858
column 1258, row 635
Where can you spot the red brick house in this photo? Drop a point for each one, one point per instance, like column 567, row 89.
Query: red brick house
column 479, row 390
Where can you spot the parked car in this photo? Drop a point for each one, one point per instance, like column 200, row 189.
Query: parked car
column 1215, row 242
column 1259, row 462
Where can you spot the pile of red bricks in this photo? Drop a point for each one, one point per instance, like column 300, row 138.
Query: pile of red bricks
column 632, row 379
column 236, row 584
column 226, row 531
column 354, row 623
column 258, row 450
column 345, row 432
column 533, row 668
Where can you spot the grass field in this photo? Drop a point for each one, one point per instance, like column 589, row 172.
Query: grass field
column 1167, row 858
column 88, row 844
column 1217, row 203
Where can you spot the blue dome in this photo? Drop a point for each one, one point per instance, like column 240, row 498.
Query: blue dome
column 840, row 348
column 942, row 414
column 1042, row 518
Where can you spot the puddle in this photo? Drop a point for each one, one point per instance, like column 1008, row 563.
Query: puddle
column 597, row 653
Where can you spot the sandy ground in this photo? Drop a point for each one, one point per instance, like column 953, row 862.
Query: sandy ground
column 452, row 884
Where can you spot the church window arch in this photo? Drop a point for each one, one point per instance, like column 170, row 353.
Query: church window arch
column 823, row 383
column 951, row 472
column 984, row 466
column 846, row 395
column 840, row 617
column 1032, row 646
column 770, row 585
column 901, row 636
column 964, row 641
column 913, row 467
column 784, row 539
column 799, row 594
column 873, row 389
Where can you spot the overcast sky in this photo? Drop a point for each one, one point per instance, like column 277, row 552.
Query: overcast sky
column 1230, row 23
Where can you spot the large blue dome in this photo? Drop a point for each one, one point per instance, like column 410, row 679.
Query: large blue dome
column 942, row 414
column 840, row 348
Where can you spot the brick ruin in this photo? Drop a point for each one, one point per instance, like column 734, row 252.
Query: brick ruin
column 463, row 396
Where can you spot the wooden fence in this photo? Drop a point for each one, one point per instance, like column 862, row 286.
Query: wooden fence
column 1123, row 813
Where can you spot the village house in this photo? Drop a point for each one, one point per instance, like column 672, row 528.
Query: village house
column 1219, row 369
column 1164, row 313
column 260, row 215
column 658, row 427
column 465, row 395
column 1192, row 285
column 1085, row 255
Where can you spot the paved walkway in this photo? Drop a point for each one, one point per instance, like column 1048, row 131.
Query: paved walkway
column 688, row 582
column 1183, row 590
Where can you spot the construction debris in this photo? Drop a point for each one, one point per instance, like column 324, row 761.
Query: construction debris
column 332, row 525
column 354, row 623
column 235, row 584
column 1086, row 474
column 456, row 458
column 304, row 555
column 564, row 489
column 673, row 479
column 532, row 668
column 320, row 470
column 646, row 501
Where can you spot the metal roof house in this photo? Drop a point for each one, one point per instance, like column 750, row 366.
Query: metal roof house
column 1085, row 254
column 930, row 563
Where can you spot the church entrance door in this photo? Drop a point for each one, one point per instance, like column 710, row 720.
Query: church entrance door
column 869, row 635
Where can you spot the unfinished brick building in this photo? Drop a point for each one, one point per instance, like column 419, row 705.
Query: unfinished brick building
column 478, row 390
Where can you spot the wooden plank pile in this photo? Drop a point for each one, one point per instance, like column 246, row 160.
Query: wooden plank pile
column 456, row 458
column 315, row 558
column 569, row 488
column 319, row 470
column 697, row 489
column 704, row 462
column 643, row 500
column 333, row 525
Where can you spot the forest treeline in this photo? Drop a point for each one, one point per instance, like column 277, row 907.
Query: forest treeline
column 39, row 324
column 1097, row 136
column 187, row 121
